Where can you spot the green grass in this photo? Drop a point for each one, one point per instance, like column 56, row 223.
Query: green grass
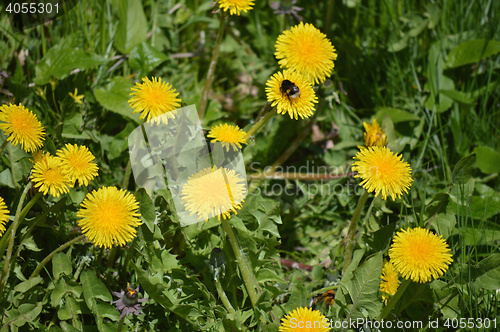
column 428, row 66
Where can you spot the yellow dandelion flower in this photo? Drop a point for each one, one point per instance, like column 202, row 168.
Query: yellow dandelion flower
column 306, row 50
column 304, row 320
column 419, row 254
column 49, row 176
column 228, row 135
column 282, row 88
column 109, row 216
column 76, row 97
column 79, row 163
column 374, row 135
column 38, row 156
column 4, row 215
column 235, row 7
column 389, row 282
column 154, row 98
column 382, row 171
column 213, row 192
column 22, row 126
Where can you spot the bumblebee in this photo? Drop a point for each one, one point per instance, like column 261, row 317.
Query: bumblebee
column 289, row 89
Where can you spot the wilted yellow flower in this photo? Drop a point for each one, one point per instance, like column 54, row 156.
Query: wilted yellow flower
column 154, row 98
column 306, row 50
column 228, row 135
column 374, row 135
column 109, row 216
column 22, row 126
column 382, row 172
column 291, row 93
column 420, row 255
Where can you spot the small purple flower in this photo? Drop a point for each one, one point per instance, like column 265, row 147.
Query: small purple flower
column 128, row 302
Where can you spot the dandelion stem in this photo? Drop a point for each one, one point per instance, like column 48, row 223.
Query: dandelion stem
column 259, row 124
column 350, row 242
column 3, row 146
column 126, row 177
column 394, row 300
column 245, row 269
column 52, row 254
column 223, row 296
column 211, row 68
column 15, row 224
column 120, row 324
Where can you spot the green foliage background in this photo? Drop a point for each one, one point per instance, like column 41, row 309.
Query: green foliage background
column 427, row 71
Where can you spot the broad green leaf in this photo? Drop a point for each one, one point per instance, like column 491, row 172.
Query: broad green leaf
column 70, row 309
column 463, row 169
column 488, row 159
column 73, row 125
column 28, row 284
column 63, row 58
column 380, row 239
column 93, row 289
column 458, row 96
column 62, row 288
column 479, row 233
column 144, row 58
column 61, row 265
column 115, row 97
column 68, row 328
column 395, row 114
column 169, row 261
column 26, row 312
column 6, row 178
column 266, row 274
column 146, row 208
column 298, row 298
column 132, row 27
column 472, row 51
column 434, row 14
column 487, row 273
column 485, row 206
column 363, row 288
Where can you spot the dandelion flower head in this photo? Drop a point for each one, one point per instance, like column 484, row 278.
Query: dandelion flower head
column 50, row 177
column 304, row 320
column 22, row 126
column 4, row 215
column 374, row 135
column 79, row 163
column 213, row 192
column 389, row 282
column 229, row 136
column 300, row 104
column 420, row 255
column 109, row 216
column 235, row 7
column 154, row 98
column 382, row 172
column 306, row 50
